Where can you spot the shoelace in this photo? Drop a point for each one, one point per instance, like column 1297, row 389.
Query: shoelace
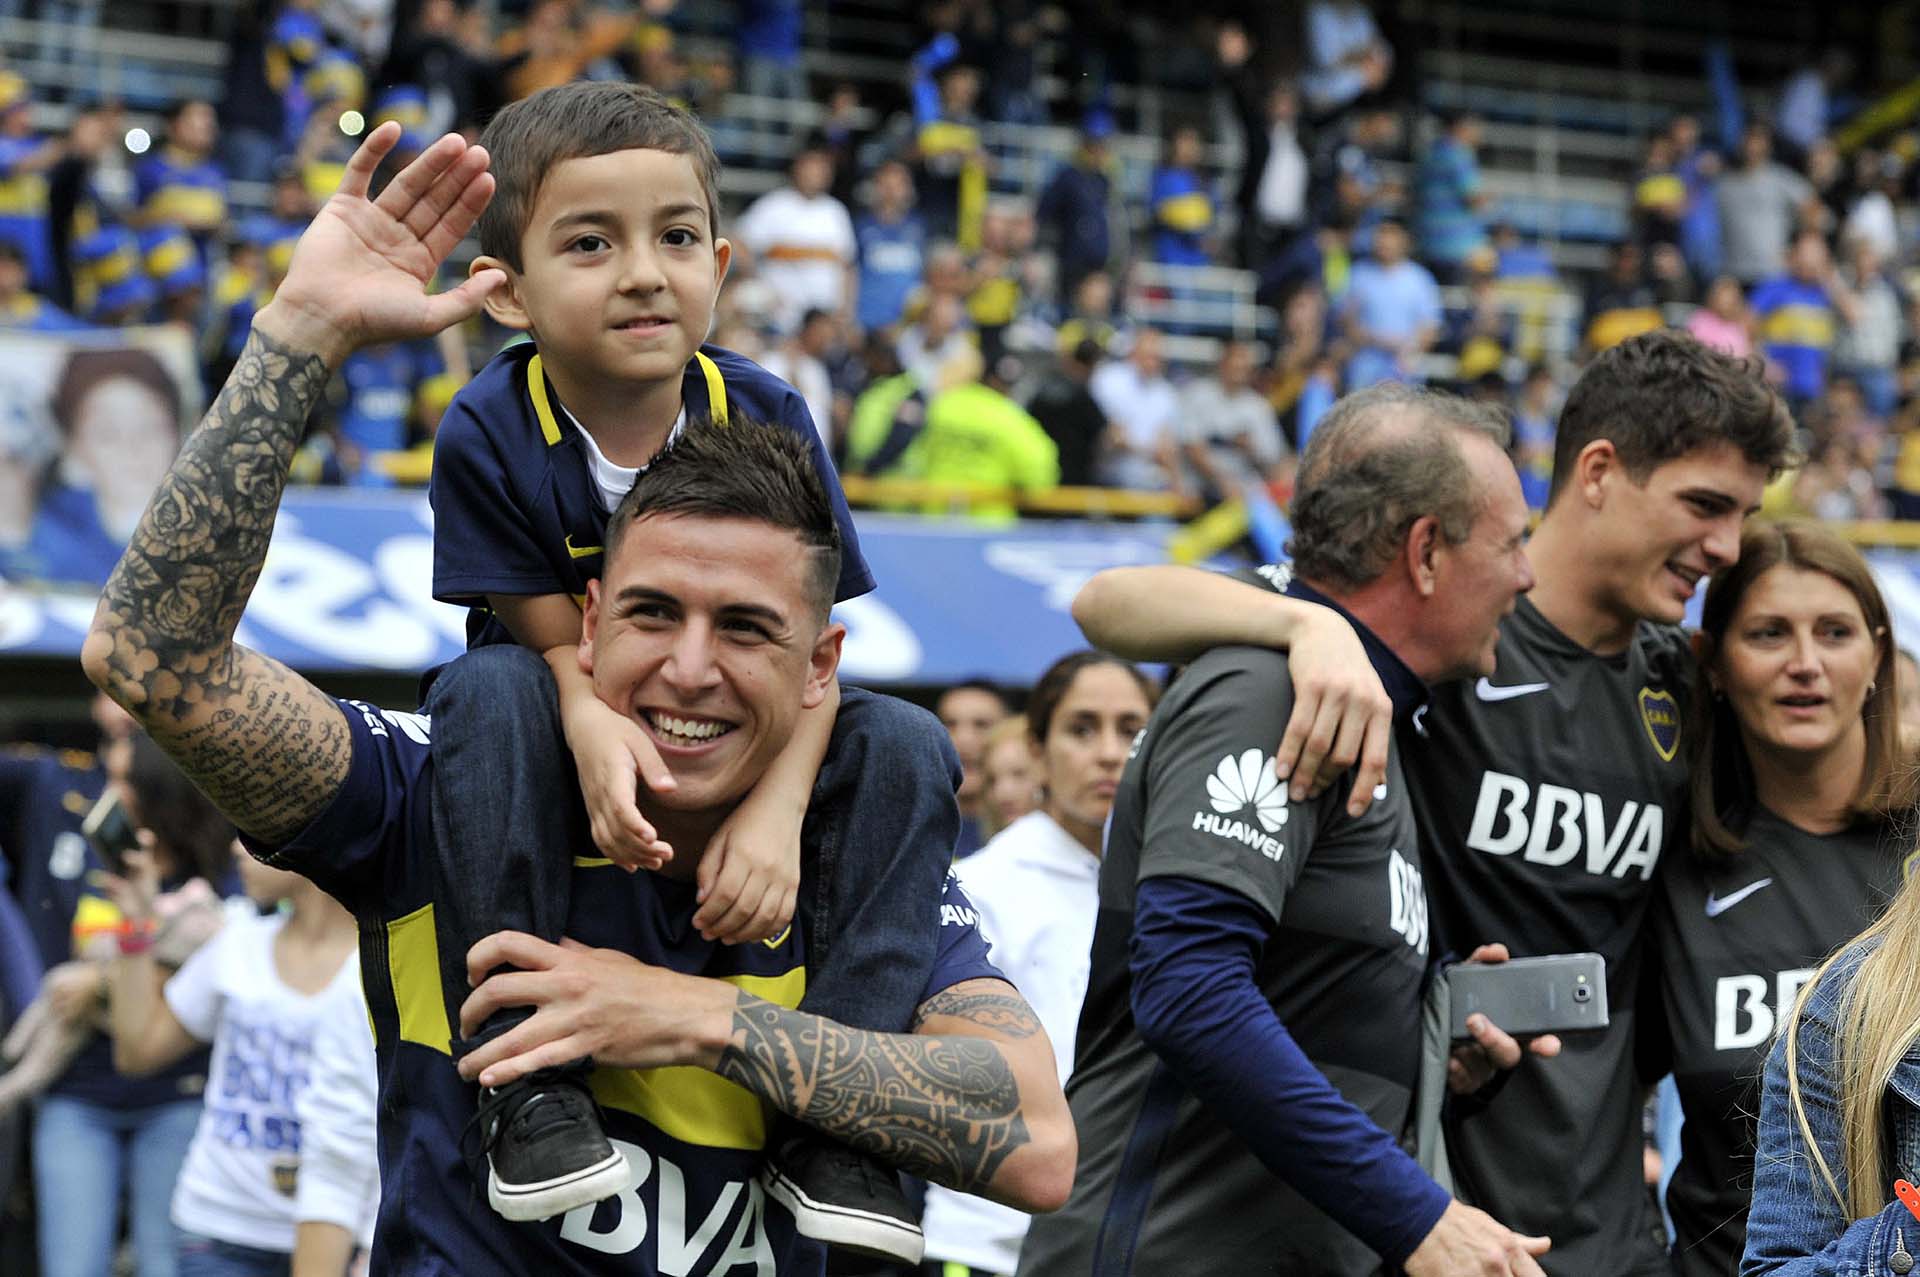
column 482, row 1132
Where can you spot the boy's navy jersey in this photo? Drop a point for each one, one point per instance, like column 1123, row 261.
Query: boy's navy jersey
column 45, row 794
column 1165, row 1184
column 694, row 1140
column 1546, row 796
column 514, row 503
column 1735, row 939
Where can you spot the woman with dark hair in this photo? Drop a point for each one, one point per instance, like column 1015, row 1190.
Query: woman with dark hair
column 1035, row 886
column 99, row 1134
column 119, row 418
column 1798, row 790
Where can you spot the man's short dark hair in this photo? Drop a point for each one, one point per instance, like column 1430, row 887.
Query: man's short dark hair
column 743, row 469
column 1381, row 459
column 578, row 121
column 1663, row 394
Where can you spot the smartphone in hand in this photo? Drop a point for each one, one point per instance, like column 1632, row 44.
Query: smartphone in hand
column 1553, row 993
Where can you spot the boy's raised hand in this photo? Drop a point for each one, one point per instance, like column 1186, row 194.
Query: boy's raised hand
column 360, row 272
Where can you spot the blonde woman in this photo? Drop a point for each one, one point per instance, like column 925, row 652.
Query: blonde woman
column 1840, row 1114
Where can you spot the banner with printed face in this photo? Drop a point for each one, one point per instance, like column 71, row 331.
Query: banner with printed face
column 88, row 425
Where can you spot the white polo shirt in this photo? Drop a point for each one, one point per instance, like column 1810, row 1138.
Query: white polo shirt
column 1037, row 891
column 801, row 247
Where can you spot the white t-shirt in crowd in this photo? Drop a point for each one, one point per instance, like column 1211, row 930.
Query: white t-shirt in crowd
column 808, row 376
column 1037, row 892
column 1145, row 409
column 241, row 1175
column 339, row 1152
column 802, row 248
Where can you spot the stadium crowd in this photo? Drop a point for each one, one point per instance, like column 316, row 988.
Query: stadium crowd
column 902, row 258
column 189, row 1033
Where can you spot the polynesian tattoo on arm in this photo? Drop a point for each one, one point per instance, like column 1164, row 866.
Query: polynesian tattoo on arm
column 945, row 1107
column 264, row 744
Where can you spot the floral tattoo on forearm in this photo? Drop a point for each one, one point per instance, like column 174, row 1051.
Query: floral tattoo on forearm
column 242, row 726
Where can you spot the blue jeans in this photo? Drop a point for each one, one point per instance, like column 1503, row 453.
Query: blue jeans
column 83, row 1155
column 508, row 819
column 211, row 1257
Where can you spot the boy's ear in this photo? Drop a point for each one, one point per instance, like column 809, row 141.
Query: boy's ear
column 722, row 259
column 503, row 303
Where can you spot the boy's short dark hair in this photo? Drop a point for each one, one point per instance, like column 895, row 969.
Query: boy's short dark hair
column 1662, row 394
column 577, row 121
column 744, row 469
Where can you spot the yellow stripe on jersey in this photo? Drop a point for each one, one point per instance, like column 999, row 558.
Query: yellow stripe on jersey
column 196, row 206
column 1798, row 324
column 689, row 1104
column 716, row 388
column 1190, row 212
column 413, row 962
column 693, row 1105
column 542, row 410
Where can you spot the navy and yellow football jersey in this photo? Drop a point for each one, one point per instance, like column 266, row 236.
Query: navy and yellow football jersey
column 189, row 195
column 695, row 1141
column 514, row 504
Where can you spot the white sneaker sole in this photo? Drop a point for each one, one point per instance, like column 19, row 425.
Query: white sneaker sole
column 527, row 1203
column 863, row 1232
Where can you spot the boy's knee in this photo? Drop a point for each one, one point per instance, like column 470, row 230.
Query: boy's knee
column 498, row 680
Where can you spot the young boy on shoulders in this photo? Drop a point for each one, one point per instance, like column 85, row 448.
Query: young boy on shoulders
column 604, row 222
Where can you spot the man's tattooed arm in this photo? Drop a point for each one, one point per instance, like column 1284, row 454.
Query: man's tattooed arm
column 267, row 746
column 953, row 1102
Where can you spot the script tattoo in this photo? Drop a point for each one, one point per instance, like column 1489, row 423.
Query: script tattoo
column 945, row 1108
column 264, row 744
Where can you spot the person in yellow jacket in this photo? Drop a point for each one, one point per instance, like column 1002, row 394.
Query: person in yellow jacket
column 976, row 436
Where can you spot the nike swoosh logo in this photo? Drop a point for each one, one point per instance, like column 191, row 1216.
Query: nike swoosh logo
column 581, row 551
column 1717, row 905
column 1486, row 691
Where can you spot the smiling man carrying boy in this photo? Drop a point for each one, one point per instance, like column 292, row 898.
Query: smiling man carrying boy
column 604, row 224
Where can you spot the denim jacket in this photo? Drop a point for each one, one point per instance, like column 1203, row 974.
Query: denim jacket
column 1796, row 1228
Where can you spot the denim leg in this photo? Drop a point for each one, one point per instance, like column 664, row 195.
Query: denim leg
column 160, row 1137
column 882, row 831
column 78, row 1162
column 507, row 814
column 210, row 1257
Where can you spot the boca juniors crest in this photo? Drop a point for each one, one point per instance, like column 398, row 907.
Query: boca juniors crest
column 1660, row 714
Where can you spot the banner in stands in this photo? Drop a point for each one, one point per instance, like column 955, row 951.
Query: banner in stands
column 346, row 587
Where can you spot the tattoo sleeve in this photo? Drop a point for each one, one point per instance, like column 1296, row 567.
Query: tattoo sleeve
column 946, row 1108
column 263, row 743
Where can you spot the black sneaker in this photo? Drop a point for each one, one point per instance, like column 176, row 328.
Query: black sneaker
column 843, row 1198
column 546, row 1153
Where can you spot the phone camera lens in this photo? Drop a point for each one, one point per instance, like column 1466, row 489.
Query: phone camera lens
column 1581, row 993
